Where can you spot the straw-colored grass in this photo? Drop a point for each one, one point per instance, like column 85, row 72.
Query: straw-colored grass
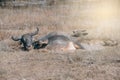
column 42, row 64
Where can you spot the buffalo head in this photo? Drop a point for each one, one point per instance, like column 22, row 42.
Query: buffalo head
column 26, row 39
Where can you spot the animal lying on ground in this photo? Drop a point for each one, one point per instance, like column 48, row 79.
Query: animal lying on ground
column 26, row 39
column 61, row 41
column 56, row 41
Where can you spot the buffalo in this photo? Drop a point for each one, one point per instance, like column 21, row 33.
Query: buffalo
column 26, row 39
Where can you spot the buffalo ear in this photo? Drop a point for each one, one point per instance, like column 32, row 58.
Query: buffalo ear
column 16, row 38
column 34, row 33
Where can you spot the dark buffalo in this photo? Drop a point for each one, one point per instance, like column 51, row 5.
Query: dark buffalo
column 26, row 39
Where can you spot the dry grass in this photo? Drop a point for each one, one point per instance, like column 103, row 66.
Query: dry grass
column 16, row 64
column 81, row 65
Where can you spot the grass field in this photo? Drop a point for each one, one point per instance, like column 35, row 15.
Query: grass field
column 16, row 64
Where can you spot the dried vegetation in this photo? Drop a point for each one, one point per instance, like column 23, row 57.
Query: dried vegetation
column 16, row 64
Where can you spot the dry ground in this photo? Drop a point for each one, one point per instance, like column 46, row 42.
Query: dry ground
column 16, row 64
